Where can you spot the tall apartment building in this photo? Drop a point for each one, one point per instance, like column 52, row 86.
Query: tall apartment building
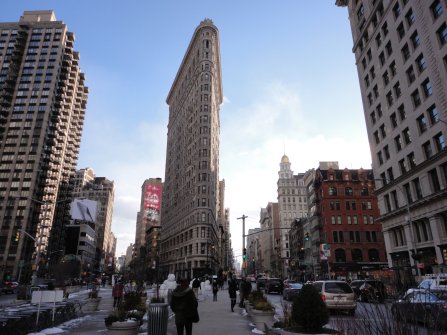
column 42, row 105
column 292, row 204
column 146, row 234
column 400, row 49
column 269, row 239
column 191, row 190
column 87, row 186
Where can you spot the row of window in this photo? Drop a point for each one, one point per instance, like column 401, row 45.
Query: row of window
column 348, row 191
column 354, row 236
column 413, row 191
column 356, row 255
column 351, row 219
column 349, row 205
column 300, row 199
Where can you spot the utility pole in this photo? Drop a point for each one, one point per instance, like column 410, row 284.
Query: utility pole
column 243, row 217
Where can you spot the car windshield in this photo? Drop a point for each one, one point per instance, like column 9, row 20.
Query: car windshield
column 337, row 287
column 424, row 297
column 295, row 285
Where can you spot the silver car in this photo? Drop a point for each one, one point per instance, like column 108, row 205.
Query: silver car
column 337, row 295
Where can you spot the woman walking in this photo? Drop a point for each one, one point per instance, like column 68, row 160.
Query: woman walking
column 215, row 289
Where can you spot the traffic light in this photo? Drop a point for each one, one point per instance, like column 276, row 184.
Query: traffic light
column 306, row 237
column 17, row 238
column 244, row 254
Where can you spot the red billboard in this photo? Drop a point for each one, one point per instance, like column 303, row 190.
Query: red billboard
column 152, row 203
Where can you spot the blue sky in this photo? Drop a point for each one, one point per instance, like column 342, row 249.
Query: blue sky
column 289, row 81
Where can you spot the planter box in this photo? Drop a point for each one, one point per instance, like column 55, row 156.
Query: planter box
column 262, row 319
column 129, row 327
column 278, row 331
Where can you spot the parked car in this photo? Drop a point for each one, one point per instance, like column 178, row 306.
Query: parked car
column 260, row 283
column 10, row 287
column 422, row 306
column 291, row 291
column 274, row 285
column 337, row 295
column 368, row 290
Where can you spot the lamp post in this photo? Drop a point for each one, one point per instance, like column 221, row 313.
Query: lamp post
column 407, row 221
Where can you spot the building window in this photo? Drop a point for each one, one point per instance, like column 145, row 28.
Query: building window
column 367, row 80
column 402, row 113
column 357, row 254
column 339, row 219
column 333, row 219
column 376, row 137
column 390, row 175
column 386, row 151
column 401, row 30
column 421, row 63
column 422, row 123
column 407, row 137
column 416, row 98
column 410, row 17
column 427, row 88
column 411, row 76
column 373, row 117
column 433, row 113
column 415, row 40
column 403, row 166
column 442, row 34
column 417, row 188
column 397, row 90
column 393, row 119
column 426, row 147
column 411, row 160
column 348, row 191
column 396, row 10
column 372, row 72
column 382, row 130
column 439, row 142
column 332, row 191
column 348, row 219
column 393, row 68
column 386, row 78
column 389, row 98
column 378, row 40
column 398, row 143
column 385, row 29
column 434, row 180
column 379, row 111
column 376, row 91
column 389, row 49
column 382, row 58
column 340, row 255
column 436, row 9
column 405, row 52
column 380, row 158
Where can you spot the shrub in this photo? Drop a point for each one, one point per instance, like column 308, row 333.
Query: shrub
column 157, row 300
column 309, row 311
column 263, row 306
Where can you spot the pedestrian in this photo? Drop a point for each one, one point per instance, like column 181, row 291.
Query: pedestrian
column 196, row 287
column 117, row 293
column 245, row 290
column 232, row 288
column 215, row 289
column 184, row 305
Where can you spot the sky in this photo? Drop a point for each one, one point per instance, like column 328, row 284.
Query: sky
column 290, row 87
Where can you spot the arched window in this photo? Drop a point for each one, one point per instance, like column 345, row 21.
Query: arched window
column 340, row 255
column 373, row 255
column 357, row 255
column 348, row 191
column 332, row 191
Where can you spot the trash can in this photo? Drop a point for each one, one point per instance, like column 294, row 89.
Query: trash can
column 157, row 318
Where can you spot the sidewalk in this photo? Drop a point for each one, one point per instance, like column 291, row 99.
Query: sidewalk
column 216, row 317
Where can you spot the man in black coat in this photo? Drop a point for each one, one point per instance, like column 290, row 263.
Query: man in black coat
column 183, row 304
column 232, row 288
column 196, row 287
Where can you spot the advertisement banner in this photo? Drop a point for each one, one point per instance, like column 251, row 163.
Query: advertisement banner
column 84, row 210
column 325, row 251
column 152, row 203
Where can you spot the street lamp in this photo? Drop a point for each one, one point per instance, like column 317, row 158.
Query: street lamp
column 407, row 220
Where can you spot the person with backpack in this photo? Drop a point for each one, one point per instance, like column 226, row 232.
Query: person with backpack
column 184, row 305
column 196, row 287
